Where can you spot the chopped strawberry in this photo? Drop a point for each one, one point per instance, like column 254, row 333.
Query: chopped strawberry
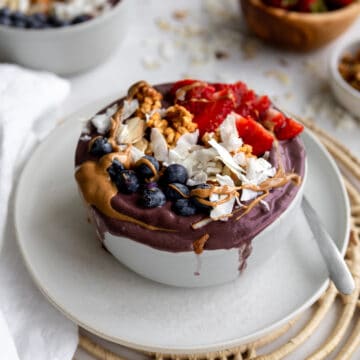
column 289, row 130
column 311, row 6
column 209, row 115
column 193, row 89
column 273, row 120
column 254, row 134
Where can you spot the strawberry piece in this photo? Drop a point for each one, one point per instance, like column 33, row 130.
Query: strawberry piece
column 194, row 89
column 288, row 130
column 273, row 120
column 209, row 115
column 254, row 134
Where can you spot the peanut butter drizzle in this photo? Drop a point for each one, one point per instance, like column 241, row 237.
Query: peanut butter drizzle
column 198, row 245
column 151, row 166
column 172, row 186
column 96, row 185
column 98, row 189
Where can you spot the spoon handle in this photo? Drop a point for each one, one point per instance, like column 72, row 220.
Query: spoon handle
column 338, row 271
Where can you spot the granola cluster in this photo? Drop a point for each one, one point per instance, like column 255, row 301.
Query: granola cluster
column 176, row 120
column 349, row 68
column 149, row 98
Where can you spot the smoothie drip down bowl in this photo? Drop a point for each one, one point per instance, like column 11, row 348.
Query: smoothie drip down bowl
column 182, row 179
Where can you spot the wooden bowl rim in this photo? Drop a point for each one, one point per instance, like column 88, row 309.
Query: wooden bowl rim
column 307, row 17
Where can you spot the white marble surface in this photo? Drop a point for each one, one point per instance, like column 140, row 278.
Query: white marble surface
column 175, row 49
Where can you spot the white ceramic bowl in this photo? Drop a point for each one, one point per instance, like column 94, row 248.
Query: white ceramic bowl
column 347, row 96
column 215, row 267
column 67, row 50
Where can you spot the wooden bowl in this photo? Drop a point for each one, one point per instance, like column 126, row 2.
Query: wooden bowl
column 295, row 30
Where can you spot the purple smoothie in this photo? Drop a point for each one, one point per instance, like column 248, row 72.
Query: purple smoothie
column 223, row 234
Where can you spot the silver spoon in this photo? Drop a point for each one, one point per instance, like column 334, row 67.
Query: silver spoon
column 338, row 271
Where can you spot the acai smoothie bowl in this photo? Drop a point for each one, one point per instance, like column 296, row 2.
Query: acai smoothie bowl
column 188, row 182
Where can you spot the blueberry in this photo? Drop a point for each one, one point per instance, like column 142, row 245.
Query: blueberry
column 21, row 24
column 18, row 15
column 100, row 147
column 196, row 201
column 175, row 173
column 184, row 207
column 37, row 21
column 176, row 191
column 115, row 169
column 54, row 21
column 152, row 198
column 5, row 21
column 144, row 170
column 80, row 19
column 127, row 182
column 5, row 12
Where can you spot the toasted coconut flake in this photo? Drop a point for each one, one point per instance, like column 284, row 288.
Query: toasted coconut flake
column 227, row 159
column 129, row 107
column 135, row 154
column 102, row 121
column 201, row 223
column 132, row 131
column 223, row 211
column 159, row 145
column 230, row 139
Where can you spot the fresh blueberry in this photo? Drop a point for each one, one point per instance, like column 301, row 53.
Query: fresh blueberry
column 18, row 15
column 144, row 170
column 176, row 191
column 54, row 21
column 18, row 23
column 175, row 173
column 80, row 19
column 115, row 169
column 37, row 21
column 184, row 207
column 127, row 182
column 5, row 12
column 100, row 147
column 152, row 198
column 5, row 21
column 196, row 201
column 150, row 185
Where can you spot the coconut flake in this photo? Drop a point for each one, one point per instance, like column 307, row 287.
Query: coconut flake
column 159, row 145
column 102, row 121
column 85, row 137
column 129, row 107
column 223, row 211
column 136, row 154
column 230, row 139
column 227, row 159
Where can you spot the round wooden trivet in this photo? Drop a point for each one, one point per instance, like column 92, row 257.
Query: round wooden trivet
column 344, row 338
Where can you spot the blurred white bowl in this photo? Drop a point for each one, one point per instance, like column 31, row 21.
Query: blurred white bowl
column 347, row 96
column 66, row 50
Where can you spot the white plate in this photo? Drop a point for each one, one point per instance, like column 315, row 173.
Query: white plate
column 89, row 286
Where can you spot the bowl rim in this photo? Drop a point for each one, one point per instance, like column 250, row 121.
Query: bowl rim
column 307, row 17
column 333, row 64
column 66, row 29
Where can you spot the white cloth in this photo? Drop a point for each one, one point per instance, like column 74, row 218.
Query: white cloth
column 30, row 328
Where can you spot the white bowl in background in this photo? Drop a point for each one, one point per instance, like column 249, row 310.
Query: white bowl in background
column 347, row 96
column 68, row 50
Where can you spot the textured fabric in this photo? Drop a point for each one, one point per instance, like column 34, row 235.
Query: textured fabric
column 30, row 328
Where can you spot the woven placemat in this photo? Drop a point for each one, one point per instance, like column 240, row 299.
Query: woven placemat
column 344, row 337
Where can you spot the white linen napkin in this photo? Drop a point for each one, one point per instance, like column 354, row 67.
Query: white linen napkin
column 30, row 328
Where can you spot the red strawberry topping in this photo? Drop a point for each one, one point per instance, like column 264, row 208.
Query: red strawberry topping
column 257, row 123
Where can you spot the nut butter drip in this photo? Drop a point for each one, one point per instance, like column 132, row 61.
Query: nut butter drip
column 96, row 185
column 199, row 244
